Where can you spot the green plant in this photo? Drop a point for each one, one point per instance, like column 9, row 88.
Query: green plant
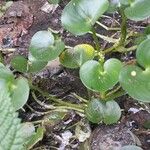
column 14, row 94
column 109, row 79
column 18, row 88
column 11, row 136
column 96, row 73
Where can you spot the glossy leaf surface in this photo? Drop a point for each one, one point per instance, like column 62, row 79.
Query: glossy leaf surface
column 113, row 5
column 100, row 78
column 74, row 58
column 24, row 65
column 35, row 65
column 79, row 16
column 109, row 112
column 19, row 63
column 20, row 93
column 43, row 46
column 136, row 79
column 138, row 10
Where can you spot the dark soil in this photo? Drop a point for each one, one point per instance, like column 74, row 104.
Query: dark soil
column 15, row 33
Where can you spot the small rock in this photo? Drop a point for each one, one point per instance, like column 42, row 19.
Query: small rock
column 49, row 8
column 111, row 137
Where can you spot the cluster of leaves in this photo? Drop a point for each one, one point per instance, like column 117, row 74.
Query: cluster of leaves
column 18, row 88
column 78, row 17
column 98, row 75
column 14, row 135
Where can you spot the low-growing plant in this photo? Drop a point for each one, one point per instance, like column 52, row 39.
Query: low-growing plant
column 108, row 78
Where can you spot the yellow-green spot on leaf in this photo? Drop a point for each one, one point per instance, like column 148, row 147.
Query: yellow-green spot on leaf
column 133, row 73
column 135, row 79
column 77, row 56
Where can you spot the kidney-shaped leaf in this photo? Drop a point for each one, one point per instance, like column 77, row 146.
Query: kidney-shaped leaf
column 43, row 46
column 74, row 58
column 143, row 54
column 136, row 80
column 109, row 112
column 100, row 78
column 21, row 64
column 35, row 65
column 138, row 10
column 20, row 93
column 80, row 15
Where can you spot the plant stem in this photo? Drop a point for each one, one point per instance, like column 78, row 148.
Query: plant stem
column 57, row 100
column 95, row 39
column 81, row 99
column 106, row 38
column 107, row 28
column 41, row 103
column 81, row 110
column 123, row 34
column 113, row 91
column 103, row 95
column 131, row 48
column 123, row 27
column 1, row 58
column 115, row 95
column 110, row 49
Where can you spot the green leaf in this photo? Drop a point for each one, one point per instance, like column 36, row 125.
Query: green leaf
column 138, row 77
column 79, row 16
column 6, row 74
column 109, row 112
column 11, row 136
column 147, row 30
column 43, row 47
column 74, row 58
column 131, row 147
column 100, row 78
column 140, row 39
column 125, row 2
column 18, row 88
column 147, row 124
column 113, row 6
column 136, row 82
column 144, row 36
column 35, row 65
column 35, row 138
column 138, row 10
column 20, row 93
column 143, row 54
column 19, row 63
